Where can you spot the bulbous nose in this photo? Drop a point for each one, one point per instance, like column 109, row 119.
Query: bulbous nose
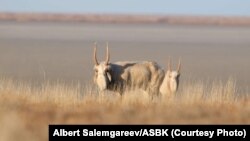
column 102, row 82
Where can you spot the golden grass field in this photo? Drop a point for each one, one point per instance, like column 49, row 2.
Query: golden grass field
column 26, row 111
column 45, row 69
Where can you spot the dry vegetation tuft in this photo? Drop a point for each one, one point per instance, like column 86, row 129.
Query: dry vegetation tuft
column 26, row 111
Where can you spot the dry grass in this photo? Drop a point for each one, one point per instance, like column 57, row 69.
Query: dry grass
column 26, row 111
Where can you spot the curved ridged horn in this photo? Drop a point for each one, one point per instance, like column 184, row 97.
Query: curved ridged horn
column 107, row 54
column 95, row 59
column 179, row 66
column 169, row 64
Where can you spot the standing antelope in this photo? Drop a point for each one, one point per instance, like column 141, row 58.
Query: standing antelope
column 120, row 76
column 171, row 80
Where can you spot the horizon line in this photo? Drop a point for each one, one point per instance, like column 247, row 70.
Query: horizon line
column 126, row 14
column 125, row 18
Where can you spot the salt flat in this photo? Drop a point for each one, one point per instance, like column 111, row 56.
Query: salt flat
column 33, row 51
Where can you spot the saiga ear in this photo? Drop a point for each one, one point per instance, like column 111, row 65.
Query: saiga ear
column 109, row 76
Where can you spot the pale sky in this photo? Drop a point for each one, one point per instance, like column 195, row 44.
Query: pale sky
column 174, row 7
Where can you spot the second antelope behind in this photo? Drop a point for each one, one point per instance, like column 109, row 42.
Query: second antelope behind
column 127, row 75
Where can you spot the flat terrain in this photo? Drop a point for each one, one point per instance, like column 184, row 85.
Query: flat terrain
column 32, row 51
column 46, row 75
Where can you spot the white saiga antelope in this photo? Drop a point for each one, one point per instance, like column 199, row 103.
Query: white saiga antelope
column 171, row 80
column 120, row 76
